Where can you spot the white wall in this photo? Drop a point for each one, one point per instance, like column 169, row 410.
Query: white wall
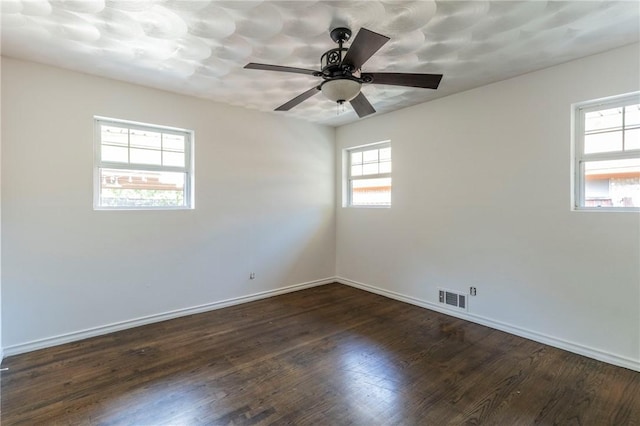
column 481, row 197
column 264, row 203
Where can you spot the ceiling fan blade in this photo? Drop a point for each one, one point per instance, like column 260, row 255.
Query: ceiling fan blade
column 298, row 99
column 266, row 67
column 361, row 105
column 363, row 47
column 425, row 81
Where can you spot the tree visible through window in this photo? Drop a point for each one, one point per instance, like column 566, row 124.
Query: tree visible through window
column 369, row 171
column 139, row 166
column 608, row 154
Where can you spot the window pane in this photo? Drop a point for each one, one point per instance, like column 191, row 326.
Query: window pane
column 356, row 158
column 145, row 139
column 172, row 142
column 603, row 142
column 632, row 139
column 132, row 188
column 356, row 170
column 385, row 167
column 173, row 159
column 603, row 119
column 114, row 135
column 145, row 156
column 114, row 154
column 371, row 192
column 612, row 183
column 370, row 169
column 370, row 156
column 385, row 154
column 632, row 115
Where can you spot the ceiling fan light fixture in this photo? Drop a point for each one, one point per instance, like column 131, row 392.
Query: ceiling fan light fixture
column 341, row 89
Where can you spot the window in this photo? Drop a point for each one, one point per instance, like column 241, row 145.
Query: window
column 607, row 154
column 142, row 166
column 369, row 175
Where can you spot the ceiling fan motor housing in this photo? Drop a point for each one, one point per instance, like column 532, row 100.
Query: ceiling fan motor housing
column 330, row 61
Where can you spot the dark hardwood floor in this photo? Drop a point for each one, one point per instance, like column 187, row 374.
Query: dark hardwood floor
column 330, row 355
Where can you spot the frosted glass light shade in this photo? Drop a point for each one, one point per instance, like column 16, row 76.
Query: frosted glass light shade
column 341, row 90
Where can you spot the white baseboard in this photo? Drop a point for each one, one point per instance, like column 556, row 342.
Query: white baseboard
column 607, row 357
column 577, row 348
column 122, row 325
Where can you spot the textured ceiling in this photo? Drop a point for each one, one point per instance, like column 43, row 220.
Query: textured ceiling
column 199, row 47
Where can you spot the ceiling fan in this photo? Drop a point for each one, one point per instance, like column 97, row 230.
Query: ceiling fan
column 342, row 75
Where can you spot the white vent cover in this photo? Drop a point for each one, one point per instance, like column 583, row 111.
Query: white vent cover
column 452, row 299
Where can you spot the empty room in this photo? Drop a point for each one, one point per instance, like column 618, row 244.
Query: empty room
column 320, row 212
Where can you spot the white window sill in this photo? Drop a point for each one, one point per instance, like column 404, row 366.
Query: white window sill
column 608, row 209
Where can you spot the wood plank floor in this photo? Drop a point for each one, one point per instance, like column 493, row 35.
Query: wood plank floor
column 330, row 355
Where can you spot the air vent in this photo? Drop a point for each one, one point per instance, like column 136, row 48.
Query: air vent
column 452, row 299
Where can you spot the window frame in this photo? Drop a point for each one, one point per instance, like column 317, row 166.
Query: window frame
column 350, row 178
column 580, row 158
column 98, row 164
